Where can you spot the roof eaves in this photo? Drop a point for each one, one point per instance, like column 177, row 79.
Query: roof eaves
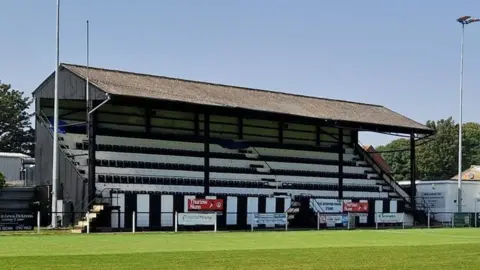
column 83, row 78
column 50, row 77
column 414, row 127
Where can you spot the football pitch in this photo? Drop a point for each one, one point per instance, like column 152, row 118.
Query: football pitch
column 367, row 249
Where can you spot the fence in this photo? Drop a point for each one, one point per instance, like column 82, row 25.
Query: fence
column 453, row 220
column 133, row 221
column 169, row 221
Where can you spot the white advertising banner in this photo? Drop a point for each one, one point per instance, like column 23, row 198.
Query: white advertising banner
column 432, row 199
column 270, row 219
column 389, row 217
column 191, row 219
column 331, row 220
column 328, row 205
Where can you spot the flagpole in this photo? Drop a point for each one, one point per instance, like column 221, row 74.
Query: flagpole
column 55, row 125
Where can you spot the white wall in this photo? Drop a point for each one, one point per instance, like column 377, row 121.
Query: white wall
column 442, row 195
column 10, row 167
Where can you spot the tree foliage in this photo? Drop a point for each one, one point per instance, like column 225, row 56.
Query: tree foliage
column 438, row 158
column 2, row 180
column 398, row 161
column 16, row 133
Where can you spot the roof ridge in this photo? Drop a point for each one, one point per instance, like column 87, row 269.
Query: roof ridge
column 223, row 85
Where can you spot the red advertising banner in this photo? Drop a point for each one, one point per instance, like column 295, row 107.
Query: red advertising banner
column 355, row 207
column 205, row 205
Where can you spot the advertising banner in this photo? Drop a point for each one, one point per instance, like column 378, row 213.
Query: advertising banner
column 205, row 205
column 191, row 219
column 17, row 221
column 355, row 207
column 389, row 217
column 432, row 199
column 270, row 219
column 331, row 220
column 328, row 205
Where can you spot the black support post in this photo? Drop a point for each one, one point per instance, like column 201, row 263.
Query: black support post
column 148, row 120
column 413, row 187
column 206, row 141
column 354, row 140
column 240, row 127
column 280, row 131
column 340, row 163
column 92, row 144
column 196, row 122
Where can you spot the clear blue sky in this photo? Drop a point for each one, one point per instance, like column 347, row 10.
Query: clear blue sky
column 400, row 54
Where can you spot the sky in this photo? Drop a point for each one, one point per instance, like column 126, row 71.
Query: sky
column 404, row 55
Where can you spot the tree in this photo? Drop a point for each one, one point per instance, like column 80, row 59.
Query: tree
column 16, row 133
column 399, row 161
column 438, row 157
column 2, row 180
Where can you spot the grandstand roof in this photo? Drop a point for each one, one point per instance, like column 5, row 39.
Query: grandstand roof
column 125, row 83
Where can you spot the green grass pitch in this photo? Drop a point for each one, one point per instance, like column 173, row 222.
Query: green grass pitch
column 360, row 249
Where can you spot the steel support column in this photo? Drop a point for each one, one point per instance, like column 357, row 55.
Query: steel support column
column 206, row 142
column 92, row 144
column 148, row 120
column 340, row 163
column 280, row 131
column 240, row 127
column 413, row 188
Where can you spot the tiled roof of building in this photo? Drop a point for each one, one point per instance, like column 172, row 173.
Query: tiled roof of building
column 124, row 83
column 471, row 174
column 377, row 157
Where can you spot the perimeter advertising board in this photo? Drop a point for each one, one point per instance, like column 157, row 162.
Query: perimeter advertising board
column 270, row 219
column 192, row 219
column 328, row 205
column 331, row 220
column 355, row 207
column 17, row 221
column 389, row 217
column 205, row 205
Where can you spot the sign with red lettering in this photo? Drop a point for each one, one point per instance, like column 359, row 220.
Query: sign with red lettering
column 205, row 205
column 355, row 207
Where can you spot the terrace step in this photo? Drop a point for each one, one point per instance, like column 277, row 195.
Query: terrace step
column 361, row 163
column 263, row 170
column 251, row 155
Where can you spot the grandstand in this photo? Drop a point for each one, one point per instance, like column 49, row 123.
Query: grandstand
column 156, row 142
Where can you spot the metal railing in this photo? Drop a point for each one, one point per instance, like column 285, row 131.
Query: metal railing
column 386, row 175
column 46, row 124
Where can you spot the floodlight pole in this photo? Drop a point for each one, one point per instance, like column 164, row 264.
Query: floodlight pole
column 463, row 20
column 87, row 88
column 55, row 125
